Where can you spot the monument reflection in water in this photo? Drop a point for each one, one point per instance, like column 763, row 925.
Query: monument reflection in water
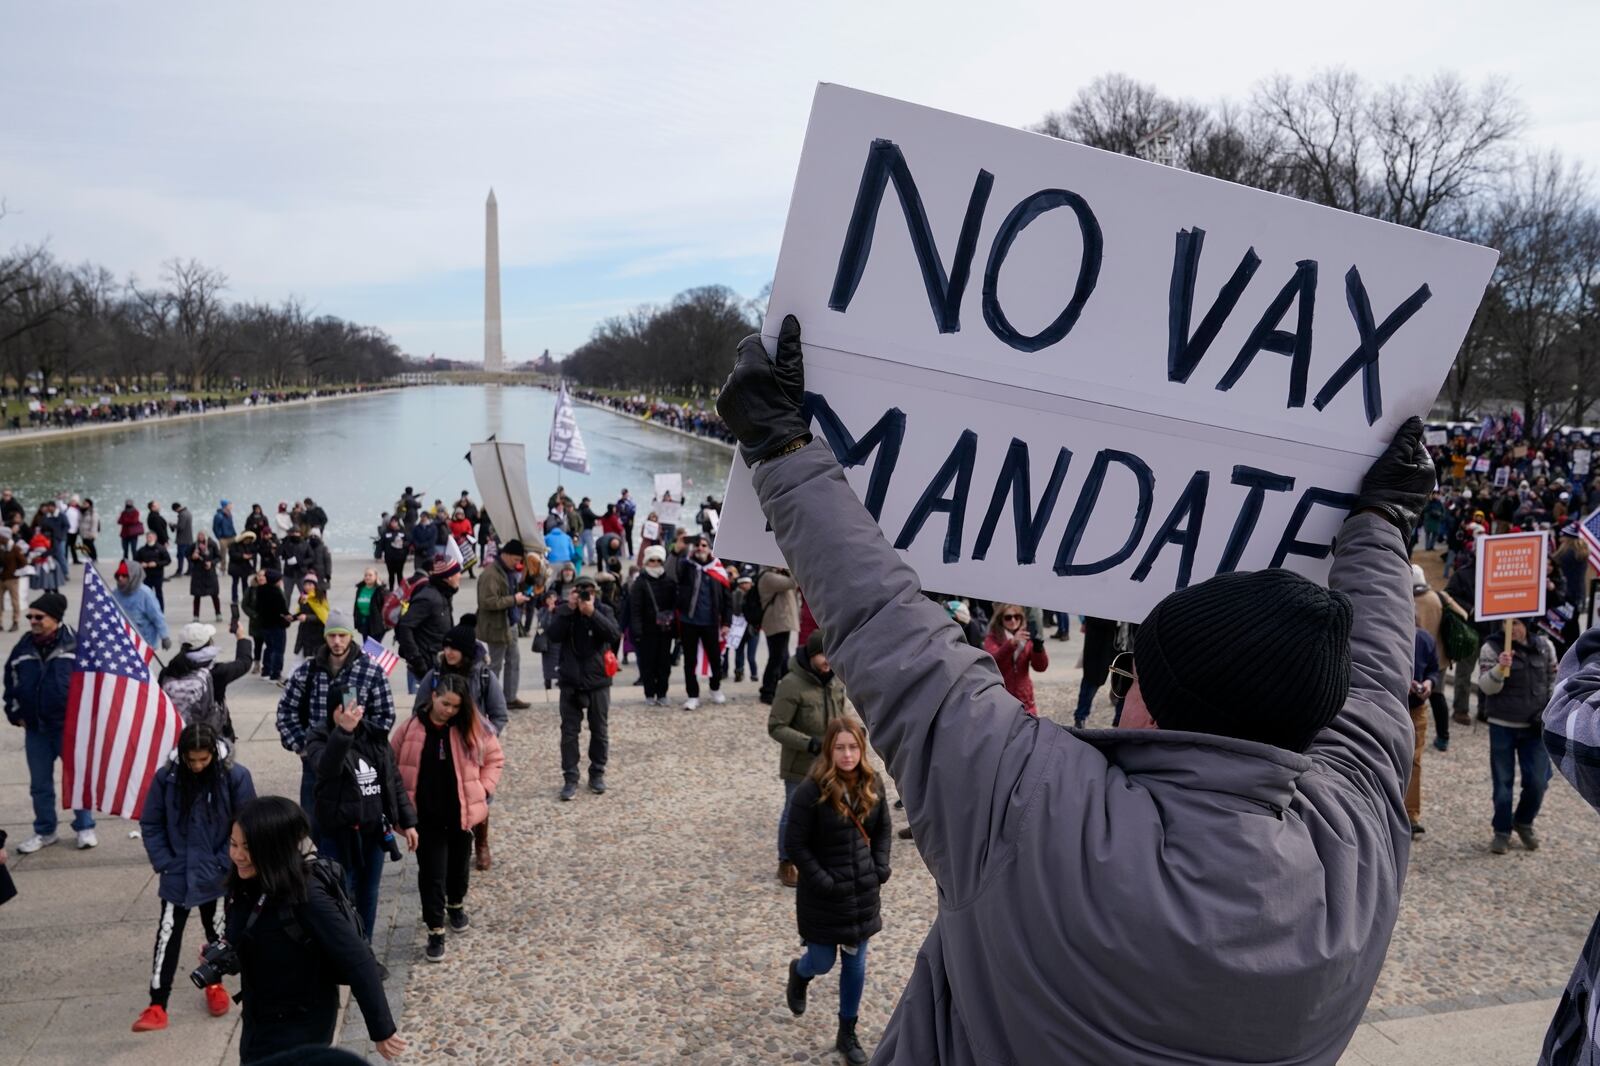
column 353, row 456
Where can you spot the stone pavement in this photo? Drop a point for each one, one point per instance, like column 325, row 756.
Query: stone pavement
column 646, row 925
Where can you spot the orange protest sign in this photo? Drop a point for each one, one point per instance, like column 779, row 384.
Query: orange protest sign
column 1511, row 576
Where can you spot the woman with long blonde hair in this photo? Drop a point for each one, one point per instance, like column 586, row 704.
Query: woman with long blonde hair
column 1015, row 652
column 838, row 837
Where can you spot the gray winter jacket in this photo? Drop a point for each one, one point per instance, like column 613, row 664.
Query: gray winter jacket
column 1117, row 896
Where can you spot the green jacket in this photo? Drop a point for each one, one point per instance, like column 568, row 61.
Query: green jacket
column 496, row 597
column 802, row 707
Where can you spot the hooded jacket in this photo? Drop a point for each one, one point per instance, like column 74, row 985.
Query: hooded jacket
column 488, row 695
column 477, row 770
column 1080, row 871
column 802, row 707
column 420, row 633
column 358, row 781
column 189, row 850
column 139, row 606
column 1572, row 737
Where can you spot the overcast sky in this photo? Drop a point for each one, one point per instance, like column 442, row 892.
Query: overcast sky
column 342, row 152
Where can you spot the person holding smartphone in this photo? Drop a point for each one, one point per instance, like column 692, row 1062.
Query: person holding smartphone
column 361, row 805
column 1016, row 652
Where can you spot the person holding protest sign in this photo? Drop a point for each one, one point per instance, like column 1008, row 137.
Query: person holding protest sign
column 1516, row 680
column 1240, row 847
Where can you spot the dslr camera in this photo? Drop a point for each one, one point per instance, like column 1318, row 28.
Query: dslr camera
column 585, row 592
column 217, row 961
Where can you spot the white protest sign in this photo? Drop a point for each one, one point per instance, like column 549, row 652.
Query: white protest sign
column 1502, row 477
column 1436, row 438
column 1482, row 465
column 1057, row 375
column 665, row 485
column 1580, row 461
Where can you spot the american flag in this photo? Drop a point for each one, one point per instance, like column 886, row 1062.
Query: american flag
column 120, row 725
column 1589, row 530
column 386, row 659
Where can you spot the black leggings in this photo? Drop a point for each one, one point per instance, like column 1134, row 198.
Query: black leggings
column 216, row 605
column 444, row 862
column 655, row 662
column 169, row 946
column 397, row 572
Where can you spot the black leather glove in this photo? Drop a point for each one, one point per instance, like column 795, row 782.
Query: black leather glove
column 761, row 399
column 814, row 745
column 1400, row 480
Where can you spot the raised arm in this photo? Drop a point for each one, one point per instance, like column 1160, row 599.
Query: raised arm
column 1572, row 720
column 964, row 755
column 1369, row 741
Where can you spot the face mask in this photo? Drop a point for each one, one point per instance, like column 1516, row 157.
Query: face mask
column 655, row 571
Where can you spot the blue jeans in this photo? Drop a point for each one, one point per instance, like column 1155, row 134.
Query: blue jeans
column 748, row 650
column 42, row 750
column 363, row 871
column 783, row 819
column 818, row 959
column 1508, row 749
column 1086, row 694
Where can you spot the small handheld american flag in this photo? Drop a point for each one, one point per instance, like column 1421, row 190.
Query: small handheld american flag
column 1589, row 530
column 386, row 658
column 120, row 725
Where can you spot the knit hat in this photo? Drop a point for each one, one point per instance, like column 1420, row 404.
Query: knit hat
column 814, row 644
column 463, row 638
column 654, row 554
column 51, row 603
column 338, row 622
column 1261, row 655
column 196, row 634
column 446, row 567
column 586, row 579
column 122, row 569
column 512, row 547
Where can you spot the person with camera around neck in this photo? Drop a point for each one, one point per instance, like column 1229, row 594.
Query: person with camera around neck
column 586, row 630
column 362, row 810
column 293, row 938
column 450, row 763
column 184, row 824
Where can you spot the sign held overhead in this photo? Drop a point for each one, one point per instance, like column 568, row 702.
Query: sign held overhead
column 1063, row 377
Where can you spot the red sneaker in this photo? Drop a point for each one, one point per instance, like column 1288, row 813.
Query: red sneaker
column 216, row 1000
column 154, row 1017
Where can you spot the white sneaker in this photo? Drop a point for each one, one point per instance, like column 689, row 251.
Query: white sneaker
column 692, row 703
column 35, row 842
column 718, row 697
column 87, row 839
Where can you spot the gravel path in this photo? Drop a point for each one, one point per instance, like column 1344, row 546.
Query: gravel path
column 647, row 925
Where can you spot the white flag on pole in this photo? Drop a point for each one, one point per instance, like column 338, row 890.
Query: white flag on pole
column 566, row 443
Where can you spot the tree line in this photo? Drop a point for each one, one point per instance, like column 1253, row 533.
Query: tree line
column 1437, row 155
column 61, row 323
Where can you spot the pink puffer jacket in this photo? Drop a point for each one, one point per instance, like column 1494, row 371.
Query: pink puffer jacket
column 477, row 770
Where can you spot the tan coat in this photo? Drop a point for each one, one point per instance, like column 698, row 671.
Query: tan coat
column 1430, row 607
column 781, row 606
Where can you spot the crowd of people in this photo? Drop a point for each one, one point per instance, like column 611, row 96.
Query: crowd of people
column 701, row 421
column 100, row 404
column 603, row 587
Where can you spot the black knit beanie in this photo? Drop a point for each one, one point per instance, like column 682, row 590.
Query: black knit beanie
column 1262, row 655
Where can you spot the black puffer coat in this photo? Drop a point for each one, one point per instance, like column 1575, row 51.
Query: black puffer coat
column 837, row 898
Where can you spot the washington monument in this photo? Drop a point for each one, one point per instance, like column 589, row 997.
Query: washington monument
column 494, row 359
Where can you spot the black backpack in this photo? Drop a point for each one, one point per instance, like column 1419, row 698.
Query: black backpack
column 331, row 875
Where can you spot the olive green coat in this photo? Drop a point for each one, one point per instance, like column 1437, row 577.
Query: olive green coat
column 802, row 707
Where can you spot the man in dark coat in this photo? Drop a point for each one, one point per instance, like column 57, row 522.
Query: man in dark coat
column 705, row 611
column 38, row 673
column 585, row 629
column 428, row 617
column 182, row 536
